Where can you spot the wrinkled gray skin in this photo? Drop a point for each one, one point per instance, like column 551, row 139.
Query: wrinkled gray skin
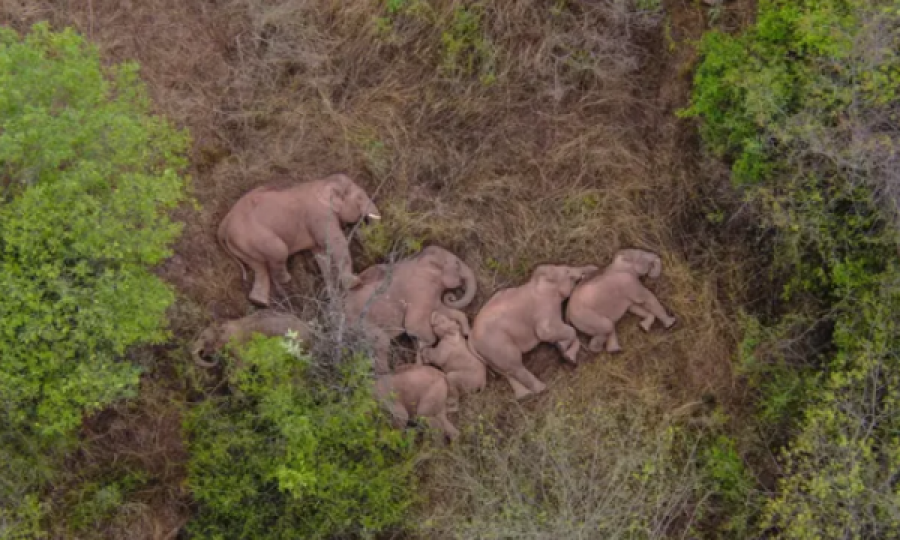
column 414, row 390
column 465, row 372
column 598, row 303
column 267, row 225
column 414, row 288
column 266, row 322
column 515, row 320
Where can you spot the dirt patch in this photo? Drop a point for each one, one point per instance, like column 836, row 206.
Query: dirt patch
column 558, row 145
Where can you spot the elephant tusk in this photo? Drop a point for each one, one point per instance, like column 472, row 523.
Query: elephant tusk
column 373, row 216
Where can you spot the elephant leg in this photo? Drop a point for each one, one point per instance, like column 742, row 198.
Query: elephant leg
column 443, row 424
column 452, row 394
column 651, row 304
column 597, row 326
column 556, row 331
column 331, row 241
column 381, row 343
column 279, row 272
column 399, row 415
column 260, row 292
column 612, row 343
column 522, row 379
column 647, row 317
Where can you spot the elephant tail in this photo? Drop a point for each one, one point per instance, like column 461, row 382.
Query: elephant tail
column 222, row 237
column 475, row 353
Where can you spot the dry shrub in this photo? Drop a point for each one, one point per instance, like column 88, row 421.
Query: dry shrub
column 604, row 468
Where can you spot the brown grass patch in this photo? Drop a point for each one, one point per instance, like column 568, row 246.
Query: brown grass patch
column 558, row 146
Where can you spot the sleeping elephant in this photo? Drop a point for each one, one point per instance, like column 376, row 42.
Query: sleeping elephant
column 515, row 320
column 597, row 304
column 268, row 225
column 398, row 298
column 415, row 390
column 466, row 373
column 266, row 322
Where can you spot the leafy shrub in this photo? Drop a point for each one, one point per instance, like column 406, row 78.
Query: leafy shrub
column 804, row 106
column 288, row 457
column 87, row 175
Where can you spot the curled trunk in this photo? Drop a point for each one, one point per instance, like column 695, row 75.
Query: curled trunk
column 470, row 287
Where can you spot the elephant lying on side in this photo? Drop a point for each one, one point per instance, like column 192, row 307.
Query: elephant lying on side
column 268, row 225
column 412, row 289
column 598, row 303
column 466, row 373
column 414, row 390
column 515, row 320
column 266, row 322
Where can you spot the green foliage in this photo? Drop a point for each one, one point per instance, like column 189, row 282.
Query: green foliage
column 466, row 50
column 731, row 482
column 804, row 106
column 287, row 456
column 88, row 174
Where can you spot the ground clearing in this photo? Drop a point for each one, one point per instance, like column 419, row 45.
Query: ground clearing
column 544, row 134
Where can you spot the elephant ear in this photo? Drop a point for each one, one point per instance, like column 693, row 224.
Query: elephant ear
column 336, row 193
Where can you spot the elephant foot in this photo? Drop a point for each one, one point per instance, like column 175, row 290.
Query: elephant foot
column 351, row 281
column 597, row 344
column 613, row 348
column 571, row 354
column 647, row 323
column 670, row 322
column 452, row 406
column 259, row 299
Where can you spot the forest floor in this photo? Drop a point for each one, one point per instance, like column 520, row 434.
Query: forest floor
column 543, row 132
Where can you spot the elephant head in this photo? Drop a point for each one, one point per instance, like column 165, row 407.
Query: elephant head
column 560, row 279
column 638, row 261
column 349, row 202
column 454, row 274
column 443, row 325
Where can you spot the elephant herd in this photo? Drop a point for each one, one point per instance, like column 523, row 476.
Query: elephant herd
column 415, row 296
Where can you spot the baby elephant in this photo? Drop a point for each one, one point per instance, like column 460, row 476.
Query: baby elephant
column 598, row 303
column 466, row 373
column 267, row 322
column 415, row 390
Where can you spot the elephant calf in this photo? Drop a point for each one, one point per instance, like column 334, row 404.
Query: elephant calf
column 266, row 322
column 597, row 304
column 466, row 373
column 415, row 390
column 515, row 320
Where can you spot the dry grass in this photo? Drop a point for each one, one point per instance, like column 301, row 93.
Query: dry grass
column 570, row 153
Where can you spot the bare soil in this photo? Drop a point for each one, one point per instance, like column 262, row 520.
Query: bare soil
column 572, row 152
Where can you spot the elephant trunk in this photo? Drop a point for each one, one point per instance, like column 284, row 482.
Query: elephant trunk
column 655, row 267
column 196, row 354
column 470, row 287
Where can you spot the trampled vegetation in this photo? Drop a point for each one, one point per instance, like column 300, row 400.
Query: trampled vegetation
column 512, row 133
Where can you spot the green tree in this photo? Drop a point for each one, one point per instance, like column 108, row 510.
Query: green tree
column 87, row 175
column 289, row 455
column 804, row 105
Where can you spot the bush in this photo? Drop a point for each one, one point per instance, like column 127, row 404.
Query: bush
column 804, row 106
column 87, row 177
column 607, row 470
column 288, row 457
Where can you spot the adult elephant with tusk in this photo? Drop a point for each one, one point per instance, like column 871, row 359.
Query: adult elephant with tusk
column 515, row 320
column 598, row 303
column 238, row 331
column 268, row 224
column 400, row 298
